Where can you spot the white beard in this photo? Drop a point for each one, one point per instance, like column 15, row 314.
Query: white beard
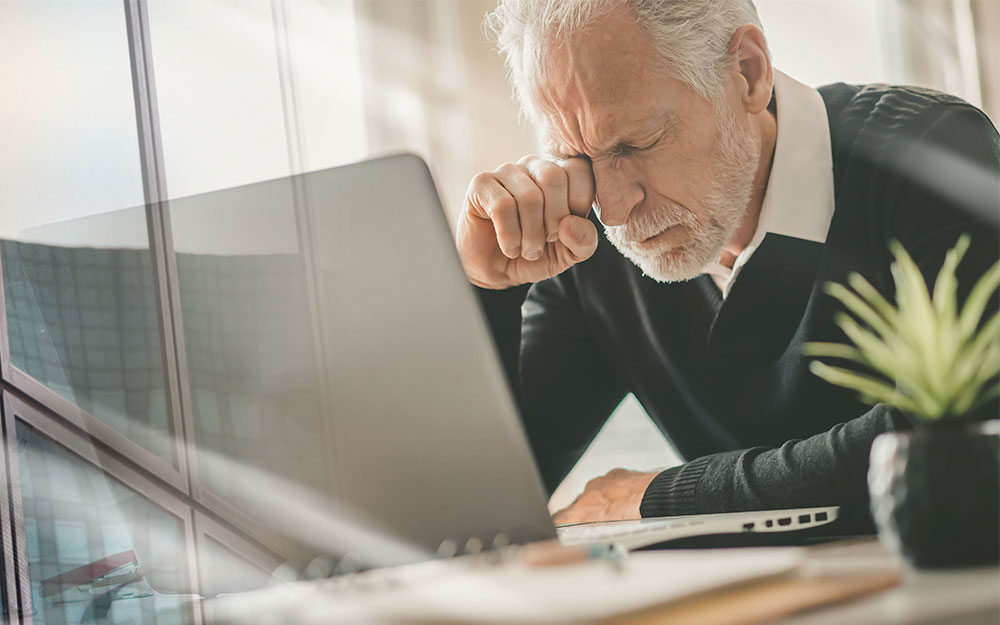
column 725, row 205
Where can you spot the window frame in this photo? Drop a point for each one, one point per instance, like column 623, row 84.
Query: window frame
column 91, row 452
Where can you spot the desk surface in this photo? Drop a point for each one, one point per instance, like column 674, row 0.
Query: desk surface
column 965, row 597
column 955, row 597
column 842, row 583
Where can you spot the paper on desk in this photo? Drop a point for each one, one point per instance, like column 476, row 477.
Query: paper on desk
column 512, row 593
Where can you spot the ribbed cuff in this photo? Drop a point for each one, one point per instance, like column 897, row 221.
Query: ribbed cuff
column 673, row 492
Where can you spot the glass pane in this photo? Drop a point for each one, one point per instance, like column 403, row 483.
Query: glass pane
column 82, row 319
column 252, row 368
column 78, row 283
column 69, row 144
column 326, row 69
column 98, row 551
column 218, row 91
column 225, row 571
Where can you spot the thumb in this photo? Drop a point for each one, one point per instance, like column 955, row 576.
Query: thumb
column 579, row 236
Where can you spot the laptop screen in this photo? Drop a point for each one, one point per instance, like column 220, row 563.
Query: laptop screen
column 301, row 377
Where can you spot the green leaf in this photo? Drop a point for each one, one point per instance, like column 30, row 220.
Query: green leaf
column 946, row 285
column 859, row 307
column 915, row 310
column 978, row 298
column 873, row 297
column 833, row 350
column 986, row 396
column 884, row 359
column 872, row 389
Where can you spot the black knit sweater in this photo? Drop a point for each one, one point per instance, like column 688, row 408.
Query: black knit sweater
column 725, row 380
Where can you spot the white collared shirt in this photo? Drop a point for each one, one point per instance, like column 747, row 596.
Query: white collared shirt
column 799, row 199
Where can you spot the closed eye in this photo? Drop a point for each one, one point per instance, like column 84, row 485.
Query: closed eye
column 625, row 149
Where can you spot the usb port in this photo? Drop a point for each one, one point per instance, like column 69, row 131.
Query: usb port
column 820, row 516
column 805, row 518
column 785, row 520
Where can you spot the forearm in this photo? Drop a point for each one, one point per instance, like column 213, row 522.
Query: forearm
column 826, row 469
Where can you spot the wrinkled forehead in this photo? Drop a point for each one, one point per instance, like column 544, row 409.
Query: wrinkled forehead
column 592, row 89
column 603, row 78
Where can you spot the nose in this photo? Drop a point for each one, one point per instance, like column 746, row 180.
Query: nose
column 618, row 194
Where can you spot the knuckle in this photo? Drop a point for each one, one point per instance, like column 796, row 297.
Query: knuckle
column 481, row 180
column 502, row 206
column 551, row 175
column 531, row 199
column 527, row 158
column 507, row 169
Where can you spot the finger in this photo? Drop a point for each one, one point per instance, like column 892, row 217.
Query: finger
column 579, row 239
column 580, row 176
column 553, row 181
column 488, row 199
column 561, row 517
column 530, row 207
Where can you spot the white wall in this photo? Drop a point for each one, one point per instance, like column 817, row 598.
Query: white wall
column 823, row 41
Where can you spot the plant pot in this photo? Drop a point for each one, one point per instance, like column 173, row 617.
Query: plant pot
column 935, row 493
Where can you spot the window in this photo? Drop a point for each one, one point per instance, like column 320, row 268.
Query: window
column 97, row 550
column 91, row 345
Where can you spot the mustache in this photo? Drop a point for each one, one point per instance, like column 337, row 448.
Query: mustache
column 642, row 226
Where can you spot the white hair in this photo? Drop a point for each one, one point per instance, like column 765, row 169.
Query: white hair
column 691, row 36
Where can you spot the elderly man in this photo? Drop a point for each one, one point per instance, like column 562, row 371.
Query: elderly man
column 724, row 195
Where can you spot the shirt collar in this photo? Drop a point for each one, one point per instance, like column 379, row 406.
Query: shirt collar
column 799, row 199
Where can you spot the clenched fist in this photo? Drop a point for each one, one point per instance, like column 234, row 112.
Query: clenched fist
column 526, row 221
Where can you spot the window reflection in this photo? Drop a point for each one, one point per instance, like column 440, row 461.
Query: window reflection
column 82, row 320
column 254, row 390
column 98, row 551
column 251, row 353
column 225, row 571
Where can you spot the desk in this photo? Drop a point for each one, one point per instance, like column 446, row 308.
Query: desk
column 961, row 597
column 841, row 583
column 953, row 597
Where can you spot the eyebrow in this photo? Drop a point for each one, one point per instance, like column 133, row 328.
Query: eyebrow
column 664, row 124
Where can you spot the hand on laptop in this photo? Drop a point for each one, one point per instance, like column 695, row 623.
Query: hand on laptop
column 612, row 497
column 526, row 221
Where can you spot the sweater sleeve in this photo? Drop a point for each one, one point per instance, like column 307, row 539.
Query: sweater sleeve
column 565, row 384
column 941, row 184
column 826, row 469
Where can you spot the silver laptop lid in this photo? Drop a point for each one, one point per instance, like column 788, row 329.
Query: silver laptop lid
column 340, row 392
column 427, row 440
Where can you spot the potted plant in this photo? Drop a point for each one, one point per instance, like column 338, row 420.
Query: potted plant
column 935, row 490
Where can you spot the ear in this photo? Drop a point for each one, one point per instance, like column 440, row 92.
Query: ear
column 749, row 51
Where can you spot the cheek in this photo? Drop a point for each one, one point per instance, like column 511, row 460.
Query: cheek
column 677, row 172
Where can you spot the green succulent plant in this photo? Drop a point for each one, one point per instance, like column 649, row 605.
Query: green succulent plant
column 925, row 357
